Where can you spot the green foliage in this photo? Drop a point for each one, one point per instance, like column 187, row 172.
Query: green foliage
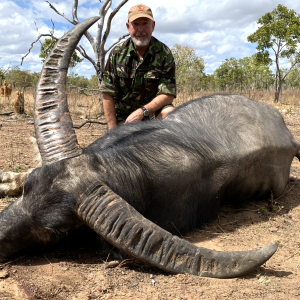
column 93, row 82
column 243, row 74
column 47, row 47
column 189, row 69
column 21, row 79
column 18, row 169
column 76, row 80
column 279, row 27
column 280, row 31
column 208, row 82
column 292, row 81
column 228, row 74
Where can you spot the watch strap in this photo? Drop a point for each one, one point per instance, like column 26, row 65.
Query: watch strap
column 145, row 111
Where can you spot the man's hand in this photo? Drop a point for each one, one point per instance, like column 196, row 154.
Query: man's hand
column 135, row 116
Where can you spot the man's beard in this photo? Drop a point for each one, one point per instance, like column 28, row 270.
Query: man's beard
column 137, row 42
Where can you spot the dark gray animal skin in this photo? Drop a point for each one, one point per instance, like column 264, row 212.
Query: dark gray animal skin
column 175, row 172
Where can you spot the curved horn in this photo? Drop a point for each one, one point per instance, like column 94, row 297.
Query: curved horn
column 122, row 226
column 56, row 137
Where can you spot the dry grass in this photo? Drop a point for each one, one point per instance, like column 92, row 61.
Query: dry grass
column 289, row 102
column 90, row 107
column 288, row 97
column 80, row 105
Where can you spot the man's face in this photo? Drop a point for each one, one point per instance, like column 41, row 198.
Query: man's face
column 140, row 31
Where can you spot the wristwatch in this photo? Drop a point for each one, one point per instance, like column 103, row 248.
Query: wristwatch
column 145, row 111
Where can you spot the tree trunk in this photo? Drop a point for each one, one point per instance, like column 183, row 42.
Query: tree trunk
column 277, row 92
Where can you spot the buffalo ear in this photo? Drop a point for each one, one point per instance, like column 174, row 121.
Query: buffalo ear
column 125, row 228
column 56, row 137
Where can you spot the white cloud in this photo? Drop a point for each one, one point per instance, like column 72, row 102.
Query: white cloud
column 215, row 29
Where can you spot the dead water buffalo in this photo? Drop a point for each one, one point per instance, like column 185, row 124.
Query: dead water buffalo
column 143, row 182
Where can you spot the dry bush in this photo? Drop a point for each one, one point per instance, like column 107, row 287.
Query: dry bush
column 19, row 103
column 80, row 105
column 90, row 107
column 5, row 89
column 8, row 91
column 290, row 98
column 83, row 106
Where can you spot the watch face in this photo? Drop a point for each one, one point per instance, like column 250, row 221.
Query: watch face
column 145, row 111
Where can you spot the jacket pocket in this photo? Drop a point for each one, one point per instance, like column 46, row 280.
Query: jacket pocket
column 125, row 76
column 152, row 80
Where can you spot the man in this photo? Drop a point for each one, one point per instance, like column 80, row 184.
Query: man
column 139, row 77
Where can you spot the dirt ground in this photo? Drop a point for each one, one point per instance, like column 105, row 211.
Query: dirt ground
column 78, row 269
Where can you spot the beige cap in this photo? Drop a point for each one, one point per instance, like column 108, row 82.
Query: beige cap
column 140, row 11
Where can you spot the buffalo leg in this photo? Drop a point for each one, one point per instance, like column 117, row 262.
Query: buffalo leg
column 11, row 184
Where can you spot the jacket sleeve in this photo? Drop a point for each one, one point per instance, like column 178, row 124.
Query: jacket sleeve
column 167, row 83
column 109, row 83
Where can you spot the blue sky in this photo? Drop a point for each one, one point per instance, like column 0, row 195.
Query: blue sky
column 215, row 29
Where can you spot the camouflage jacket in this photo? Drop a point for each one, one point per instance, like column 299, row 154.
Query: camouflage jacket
column 134, row 82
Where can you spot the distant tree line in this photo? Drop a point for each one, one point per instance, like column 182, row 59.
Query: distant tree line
column 233, row 75
column 278, row 33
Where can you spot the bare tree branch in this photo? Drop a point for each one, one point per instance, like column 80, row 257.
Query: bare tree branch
column 4, row 72
column 90, row 95
column 84, row 89
column 96, row 43
column 74, row 11
column 117, row 42
column 61, row 14
column 108, row 26
column 51, row 44
column 50, row 34
column 292, row 66
column 82, row 51
column 75, row 21
column 91, row 40
column 101, row 52
column 53, row 27
column 41, row 35
column 6, row 113
column 102, row 13
column 90, row 122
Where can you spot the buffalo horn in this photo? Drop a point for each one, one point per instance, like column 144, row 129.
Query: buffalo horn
column 125, row 228
column 56, row 137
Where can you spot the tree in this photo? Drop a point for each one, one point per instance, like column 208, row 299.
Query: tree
column 93, row 82
column 229, row 74
column 256, row 74
column 2, row 73
column 47, row 47
column 293, row 79
column 97, row 42
column 189, row 69
column 243, row 74
column 279, row 30
column 21, row 79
